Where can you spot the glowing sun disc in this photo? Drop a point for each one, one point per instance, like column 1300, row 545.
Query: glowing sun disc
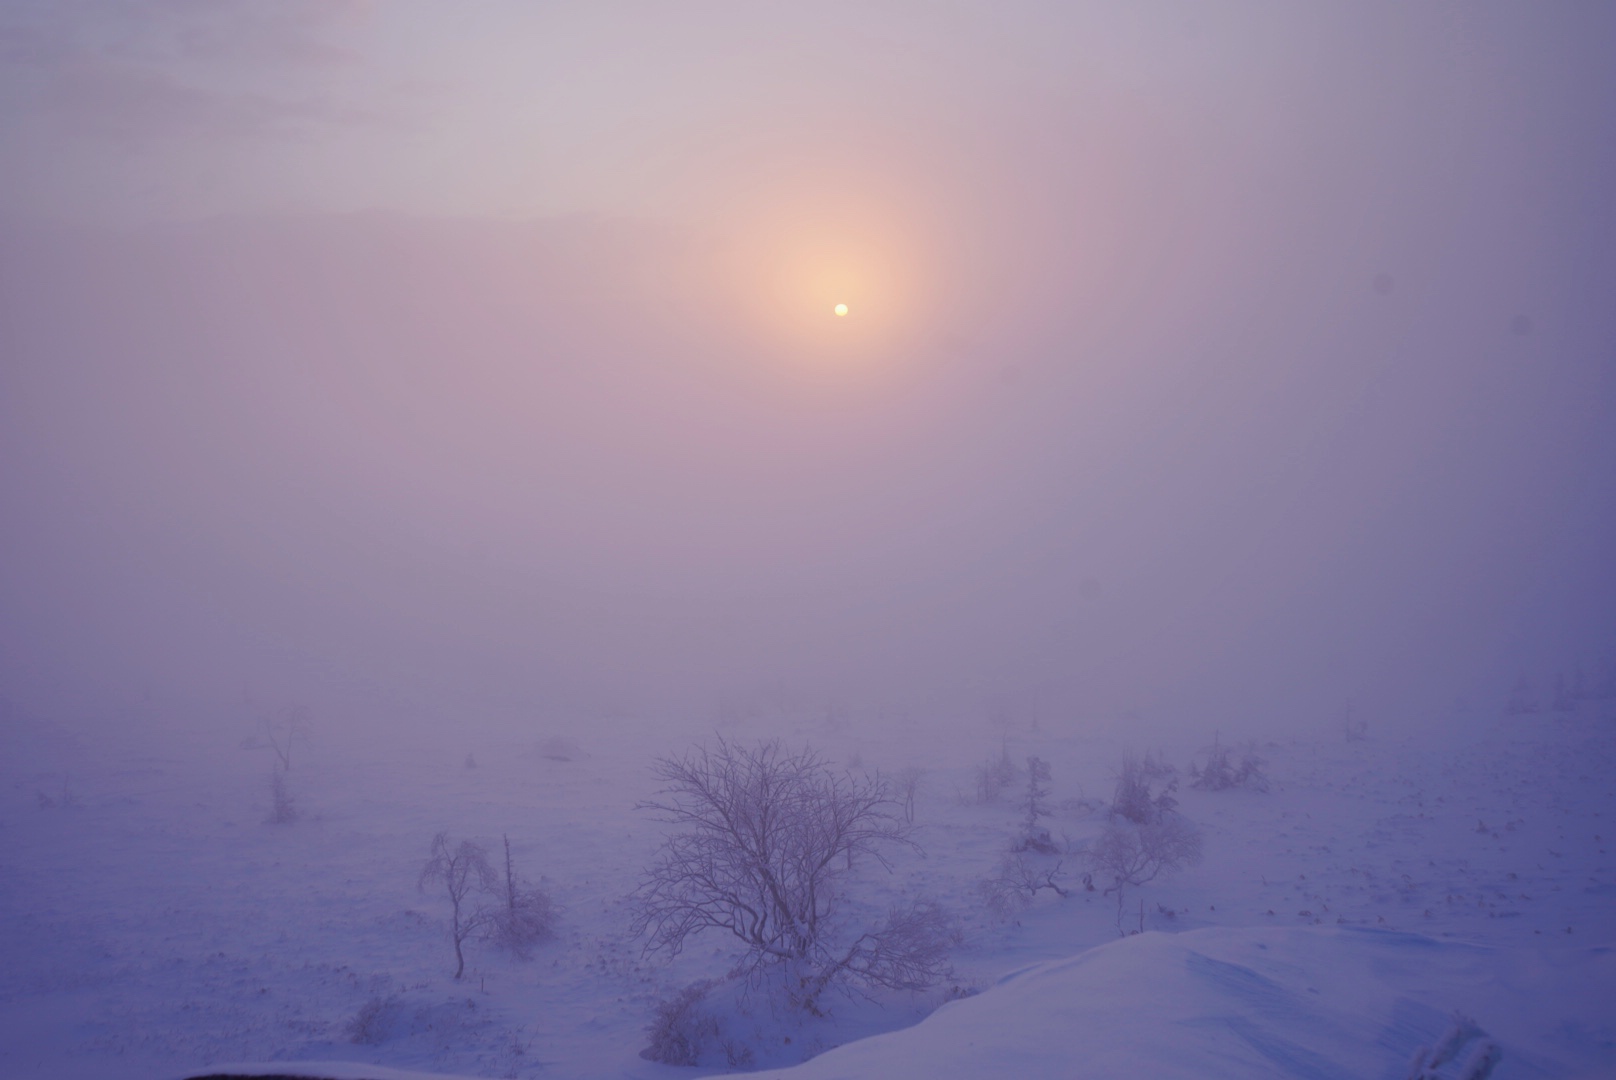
column 841, row 309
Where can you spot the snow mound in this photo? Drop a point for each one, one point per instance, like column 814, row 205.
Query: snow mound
column 1321, row 1004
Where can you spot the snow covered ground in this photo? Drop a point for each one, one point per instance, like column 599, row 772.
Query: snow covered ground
column 155, row 925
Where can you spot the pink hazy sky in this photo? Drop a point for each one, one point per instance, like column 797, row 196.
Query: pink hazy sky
column 1231, row 360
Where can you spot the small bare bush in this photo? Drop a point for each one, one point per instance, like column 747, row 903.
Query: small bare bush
column 67, row 799
column 682, row 1029
column 1463, row 1053
column 461, row 869
column 524, row 916
column 1144, row 791
column 374, row 1021
column 995, row 776
column 559, row 748
column 1565, row 695
column 907, row 782
column 1222, row 770
column 1524, row 697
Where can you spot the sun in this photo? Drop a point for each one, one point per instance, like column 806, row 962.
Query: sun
column 841, row 309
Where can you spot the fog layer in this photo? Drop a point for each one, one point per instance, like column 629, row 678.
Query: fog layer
column 1228, row 387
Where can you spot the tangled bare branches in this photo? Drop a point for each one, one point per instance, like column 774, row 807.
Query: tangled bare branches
column 1017, row 881
column 763, row 836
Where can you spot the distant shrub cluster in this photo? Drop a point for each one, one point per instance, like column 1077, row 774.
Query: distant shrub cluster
column 1222, row 769
column 1144, row 837
column 1526, row 697
column 1144, row 791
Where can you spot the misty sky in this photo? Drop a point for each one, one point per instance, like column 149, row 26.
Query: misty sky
column 1221, row 362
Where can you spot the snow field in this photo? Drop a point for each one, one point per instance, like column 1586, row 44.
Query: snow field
column 156, row 924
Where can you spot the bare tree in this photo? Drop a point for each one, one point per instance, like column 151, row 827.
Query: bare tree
column 763, row 837
column 282, row 806
column 461, row 869
column 1035, row 805
column 280, row 730
column 1132, row 855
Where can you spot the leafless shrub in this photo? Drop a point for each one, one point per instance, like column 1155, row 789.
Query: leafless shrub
column 525, row 915
column 1132, row 855
column 461, row 869
column 1017, row 881
column 558, row 748
column 995, row 775
column 1566, row 695
column 1354, row 729
column 66, row 800
column 682, row 1029
column 1524, row 697
column 908, row 784
column 1144, row 791
column 764, row 836
column 282, row 806
column 372, row 1024
column 1463, row 1053
column 1221, row 771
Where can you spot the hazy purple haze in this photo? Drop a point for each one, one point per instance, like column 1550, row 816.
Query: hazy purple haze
column 1216, row 364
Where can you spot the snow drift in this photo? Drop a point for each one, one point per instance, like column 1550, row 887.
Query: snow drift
column 1325, row 1004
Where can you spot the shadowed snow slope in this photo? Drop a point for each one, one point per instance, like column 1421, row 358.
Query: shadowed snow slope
column 1312, row 1003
